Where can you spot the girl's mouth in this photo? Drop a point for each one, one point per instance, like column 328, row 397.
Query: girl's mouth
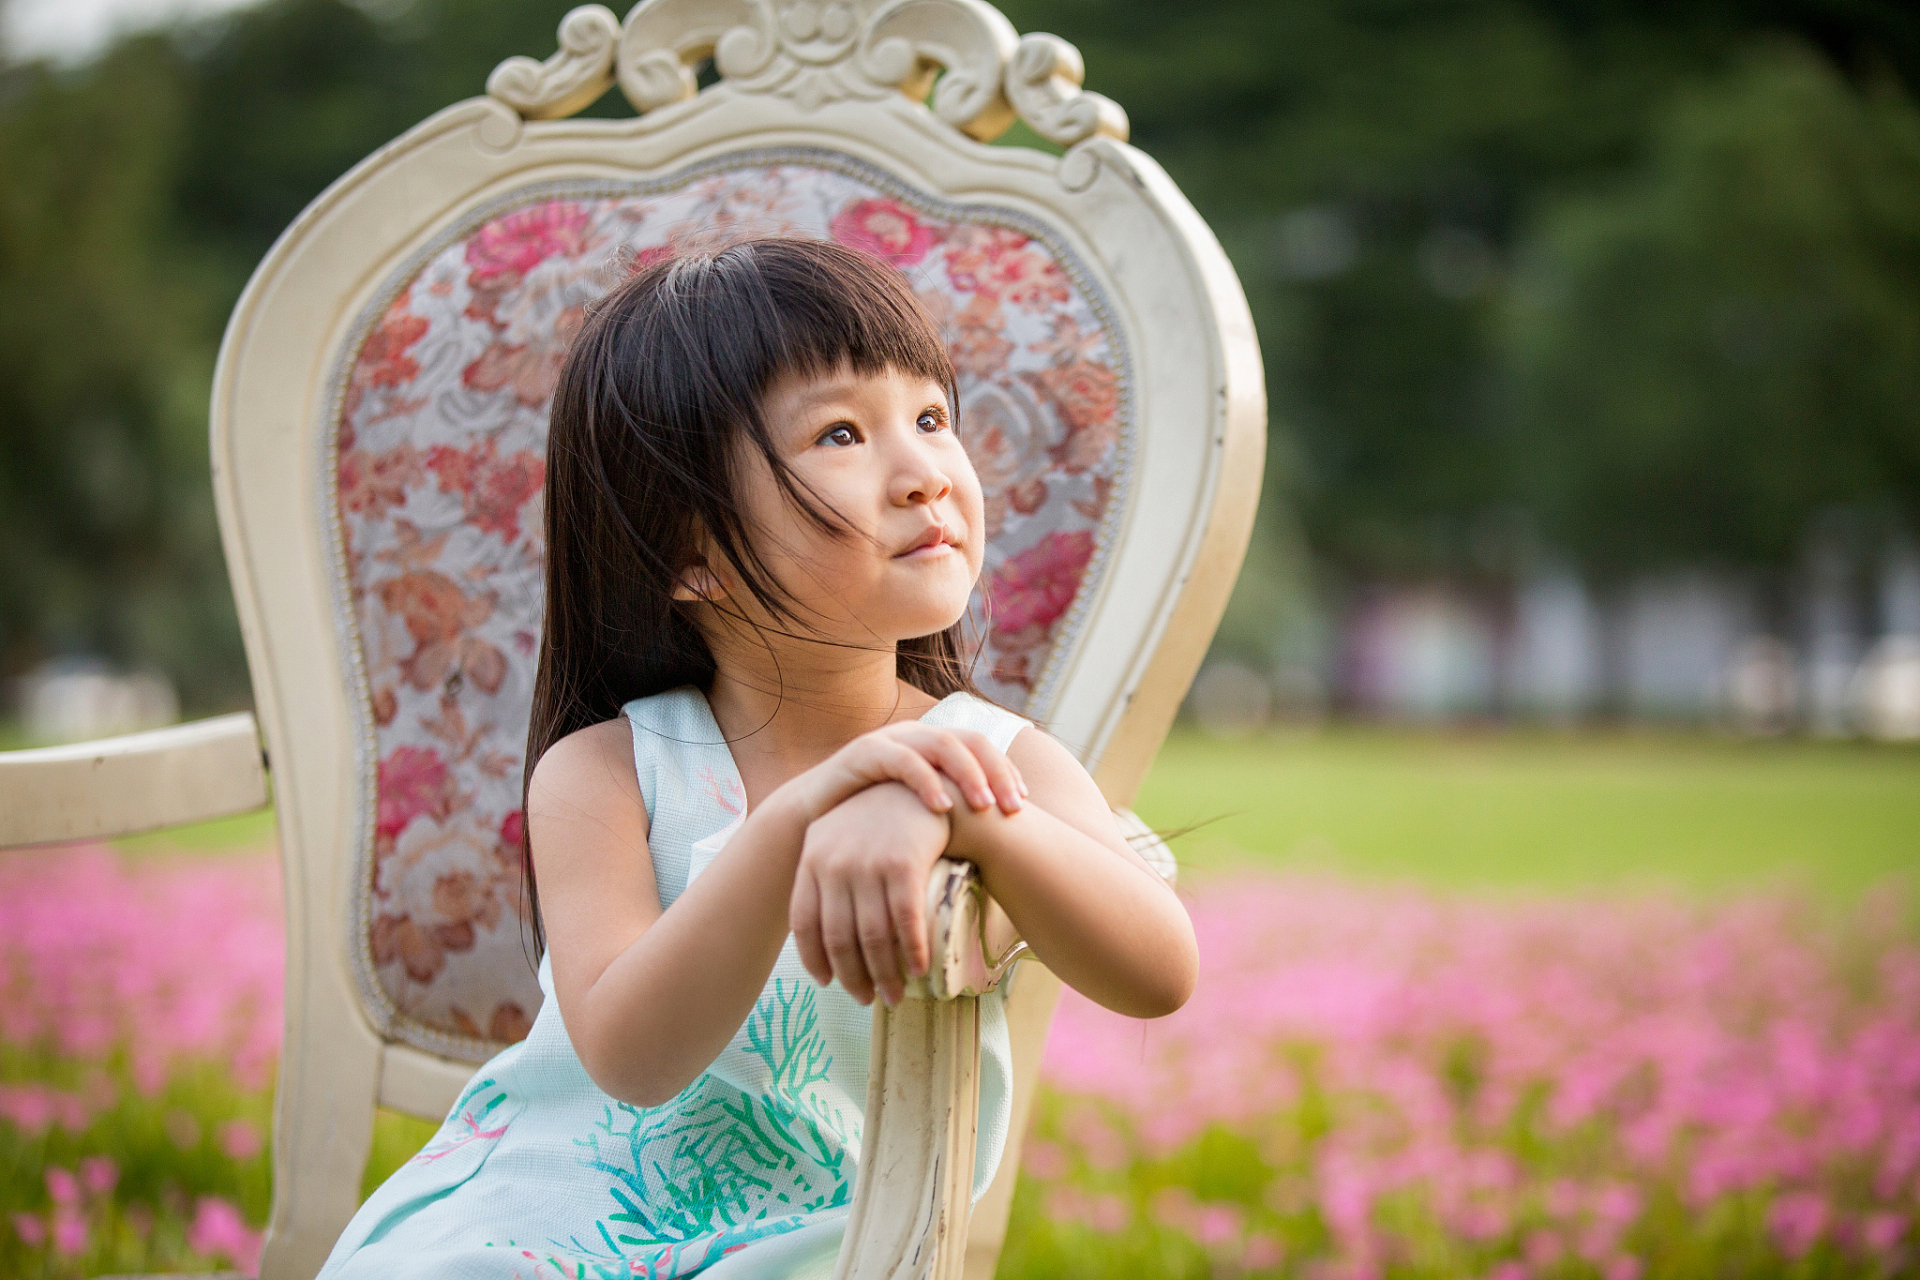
column 932, row 542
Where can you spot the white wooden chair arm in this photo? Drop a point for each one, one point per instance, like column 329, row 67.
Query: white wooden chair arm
column 117, row 786
column 971, row 942
column 914, row 1194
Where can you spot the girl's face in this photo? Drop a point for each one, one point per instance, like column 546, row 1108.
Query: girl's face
column 881, row 451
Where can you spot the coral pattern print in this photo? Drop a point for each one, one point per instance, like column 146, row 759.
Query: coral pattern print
column 439, row 473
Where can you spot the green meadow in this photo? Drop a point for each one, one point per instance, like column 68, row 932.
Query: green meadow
column 1534, row 811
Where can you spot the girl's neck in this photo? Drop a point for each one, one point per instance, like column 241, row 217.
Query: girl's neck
column 780, row 719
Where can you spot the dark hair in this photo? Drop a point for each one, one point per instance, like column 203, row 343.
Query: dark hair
column 660, row 390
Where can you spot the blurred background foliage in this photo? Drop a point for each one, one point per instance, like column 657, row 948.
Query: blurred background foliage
column 1613, row 284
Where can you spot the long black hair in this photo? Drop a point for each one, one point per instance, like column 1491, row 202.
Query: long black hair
column 661, row 388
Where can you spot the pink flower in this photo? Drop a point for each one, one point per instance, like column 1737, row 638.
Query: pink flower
column 69, row 1232
column 1109, row 1213
column 219, row 1231
column 1217, row 1225
column 240, row 1140
column 31, row 1230
column 884, row 228
column 29, row 1107
column 1263, row 1252
column 1042, row 1159
column 97, row 961
column 1798, row 1220
column 1034, row 588
column 99, row 1174
column 1623, row 1267
column 1881, row 1231
column 62, row 1187
column 521, row 241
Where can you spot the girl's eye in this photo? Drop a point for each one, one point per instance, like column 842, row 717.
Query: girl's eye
column 931, row 420
column 840, row 435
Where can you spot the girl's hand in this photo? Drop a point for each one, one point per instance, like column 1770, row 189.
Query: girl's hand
column 858, row 911
column 914, row 755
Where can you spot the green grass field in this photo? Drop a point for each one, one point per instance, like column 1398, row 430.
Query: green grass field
column 1543, row 812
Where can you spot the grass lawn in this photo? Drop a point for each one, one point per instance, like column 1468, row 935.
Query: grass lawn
column 1538, row 811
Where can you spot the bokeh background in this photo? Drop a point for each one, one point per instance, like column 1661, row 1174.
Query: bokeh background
column 1549, row 790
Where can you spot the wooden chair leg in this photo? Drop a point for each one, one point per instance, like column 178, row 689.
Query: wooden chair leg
column 915, row 1187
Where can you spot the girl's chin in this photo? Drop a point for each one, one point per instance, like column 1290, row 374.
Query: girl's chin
column 928, row 622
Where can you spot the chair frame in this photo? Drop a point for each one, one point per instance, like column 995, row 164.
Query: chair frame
column 851, row 77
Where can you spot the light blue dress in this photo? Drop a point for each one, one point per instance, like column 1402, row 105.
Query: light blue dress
column 747, row 1175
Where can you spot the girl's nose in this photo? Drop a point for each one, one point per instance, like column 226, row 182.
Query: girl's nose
column 921, row 479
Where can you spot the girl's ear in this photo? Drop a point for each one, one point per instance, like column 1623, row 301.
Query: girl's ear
column 699, row 582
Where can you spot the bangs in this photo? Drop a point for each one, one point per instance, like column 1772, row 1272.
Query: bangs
column 763, row 309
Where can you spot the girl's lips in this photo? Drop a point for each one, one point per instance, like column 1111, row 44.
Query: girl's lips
column 935, row 541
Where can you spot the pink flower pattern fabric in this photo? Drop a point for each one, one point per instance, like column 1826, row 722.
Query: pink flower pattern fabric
column 439, row 473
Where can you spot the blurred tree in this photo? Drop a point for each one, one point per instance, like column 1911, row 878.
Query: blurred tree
column 1373, row 166
column 1507, row 258
column 1712, row 351
column 105, row 334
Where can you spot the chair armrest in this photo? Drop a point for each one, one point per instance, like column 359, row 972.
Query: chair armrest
column 117, row 786
column 913, row 1197
column 963, row 924
column 972, row 943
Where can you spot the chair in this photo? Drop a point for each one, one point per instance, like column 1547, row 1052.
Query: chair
column 378, row 425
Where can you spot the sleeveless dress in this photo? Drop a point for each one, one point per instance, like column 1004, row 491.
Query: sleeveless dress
column 746, row 1175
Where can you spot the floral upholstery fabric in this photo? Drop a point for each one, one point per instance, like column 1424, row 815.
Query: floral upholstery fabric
column 437, row 475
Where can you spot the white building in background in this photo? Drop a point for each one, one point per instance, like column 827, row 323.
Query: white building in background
column 1556, row 667
column 1884, row 695
column 1679, row 637
column 74, row 699
column 1424, row 653
column 1688, row 647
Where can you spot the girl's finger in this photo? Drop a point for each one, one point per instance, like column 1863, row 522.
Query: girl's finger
column 803, row 918
column 958, row 760
column 1008, row 786
column 901, row 763
column 873, row 924
column 1002, row 779
column 837, row 931
column 906, row 903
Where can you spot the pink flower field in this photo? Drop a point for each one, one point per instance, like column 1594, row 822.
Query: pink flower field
column 1371, row 1082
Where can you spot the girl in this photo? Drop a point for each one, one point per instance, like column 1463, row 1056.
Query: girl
column 753, row 733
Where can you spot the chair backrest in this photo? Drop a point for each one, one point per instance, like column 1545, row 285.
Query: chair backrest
column 379, row 420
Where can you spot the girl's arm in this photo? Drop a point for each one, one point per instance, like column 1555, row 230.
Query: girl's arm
column 650, row 998
column 1090, row 907
column 1088, row 904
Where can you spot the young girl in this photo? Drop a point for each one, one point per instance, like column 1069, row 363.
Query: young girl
column 753, row 733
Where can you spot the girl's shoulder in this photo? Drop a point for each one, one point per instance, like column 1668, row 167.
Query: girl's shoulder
column 969, row 711
column 594, row 744
column 586, row 772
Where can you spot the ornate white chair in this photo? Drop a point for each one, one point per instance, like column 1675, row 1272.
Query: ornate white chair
column 379, row 419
